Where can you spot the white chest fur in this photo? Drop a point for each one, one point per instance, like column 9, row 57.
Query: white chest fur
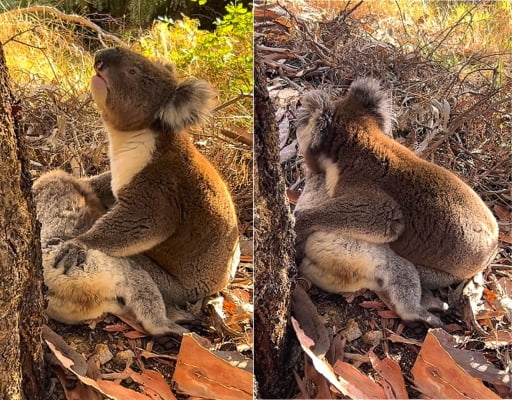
column 332, row 174
column 129, row 153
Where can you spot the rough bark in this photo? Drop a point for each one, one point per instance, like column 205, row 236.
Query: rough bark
column 21, row 301
column 274, row 255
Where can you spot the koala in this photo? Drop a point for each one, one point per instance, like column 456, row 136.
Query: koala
column 167, row 201
column 67, row 207
column 375, row 215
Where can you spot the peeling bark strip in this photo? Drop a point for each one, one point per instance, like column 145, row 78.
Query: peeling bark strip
column 274, row 255
column 21, row 274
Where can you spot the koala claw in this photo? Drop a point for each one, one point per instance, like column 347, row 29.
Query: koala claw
column 54, row 242
column 394, row 223
column 70, row 254
column 432, row 320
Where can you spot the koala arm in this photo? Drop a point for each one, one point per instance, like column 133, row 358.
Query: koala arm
column 102, row 186
column 131, row 227
column 364, row 213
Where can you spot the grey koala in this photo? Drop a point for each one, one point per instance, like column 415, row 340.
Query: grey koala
column 66, row 207
column 375, row 215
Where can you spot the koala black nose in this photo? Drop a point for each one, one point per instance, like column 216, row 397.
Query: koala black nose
column 106, row 57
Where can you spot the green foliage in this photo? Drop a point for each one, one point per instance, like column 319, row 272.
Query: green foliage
column 224, row 56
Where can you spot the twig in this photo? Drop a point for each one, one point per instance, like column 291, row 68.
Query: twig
column 70, row 18
column 461, row 119
column 232, row 101
column 244, row 139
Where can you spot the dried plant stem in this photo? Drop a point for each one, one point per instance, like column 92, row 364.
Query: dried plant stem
column 69, row 18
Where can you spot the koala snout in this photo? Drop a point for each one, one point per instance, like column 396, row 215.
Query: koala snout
column 105, row 57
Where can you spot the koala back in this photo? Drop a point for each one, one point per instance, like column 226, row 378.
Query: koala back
column 447, row 226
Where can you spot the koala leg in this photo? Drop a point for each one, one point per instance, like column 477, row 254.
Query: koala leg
column 434, row 279
column 142, row 296
column 342, row 264
column 431, row 302
column 400, row 280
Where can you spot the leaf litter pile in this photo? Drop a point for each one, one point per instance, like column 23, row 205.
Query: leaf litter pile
column 113, row 358
column 458, row 117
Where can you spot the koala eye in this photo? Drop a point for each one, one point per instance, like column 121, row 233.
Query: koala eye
column 132, row 71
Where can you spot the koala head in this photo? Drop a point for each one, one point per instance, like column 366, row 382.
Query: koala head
column 320, row 119
column 134, row 93
column 65, row 206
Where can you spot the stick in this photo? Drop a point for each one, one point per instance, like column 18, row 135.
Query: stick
column 70, row 18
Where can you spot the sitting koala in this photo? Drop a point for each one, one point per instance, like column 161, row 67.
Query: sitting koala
column 67, row 207
column 375, row 215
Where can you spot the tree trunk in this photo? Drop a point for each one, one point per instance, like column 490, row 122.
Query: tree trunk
column 274, row 255
column 21, row 276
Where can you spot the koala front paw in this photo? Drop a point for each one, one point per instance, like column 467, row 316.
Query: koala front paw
column 70, row 254
column 394, row 223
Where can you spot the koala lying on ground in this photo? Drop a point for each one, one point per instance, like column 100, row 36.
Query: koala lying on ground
column 67, row 207
column 169, row 202
column 374, row 215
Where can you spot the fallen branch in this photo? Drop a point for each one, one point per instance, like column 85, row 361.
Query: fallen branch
column 243, row 138
column 70, row 18
column 232, row 101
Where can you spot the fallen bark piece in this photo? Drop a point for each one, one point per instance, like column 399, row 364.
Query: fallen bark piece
column 318, row 381
column 390, row 371
column 79, row 363
column 154, row 381
column 350, row 382
column 201, row 373
column 443, row 371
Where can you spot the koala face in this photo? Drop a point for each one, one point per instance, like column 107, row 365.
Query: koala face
column 129, row 89
column 133, row 93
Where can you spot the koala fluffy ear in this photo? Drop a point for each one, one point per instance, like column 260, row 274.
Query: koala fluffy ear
column 367, row 92
column 313, row 119
column 190, row 104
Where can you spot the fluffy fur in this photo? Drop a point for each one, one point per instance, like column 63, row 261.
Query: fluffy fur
column 170, row 202
column 101, row 284
column 379, row 192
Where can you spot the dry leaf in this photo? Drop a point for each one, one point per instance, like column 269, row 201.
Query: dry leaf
column 116, row 328
column 351, row 382
column 389, row 370
column 149, row 354
column 110, row 389
column 134, row 334
column 293, row 195
column 306, row 314
column 400, row 339
column 438, row 375
column 200, row 373
column 498, row 339
column 153, row 380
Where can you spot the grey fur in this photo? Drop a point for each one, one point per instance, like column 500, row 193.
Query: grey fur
column 370, row 95
column 383, row 201
column 316, row 114
column 66, row 207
